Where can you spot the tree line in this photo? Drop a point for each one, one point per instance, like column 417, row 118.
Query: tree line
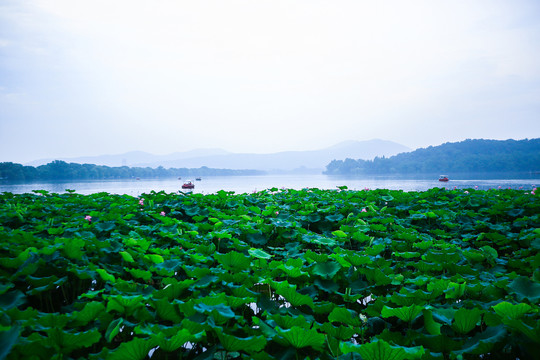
column 476, row 155
column 61, row 170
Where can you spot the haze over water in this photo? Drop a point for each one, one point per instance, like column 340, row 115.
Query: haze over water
column 248, row 184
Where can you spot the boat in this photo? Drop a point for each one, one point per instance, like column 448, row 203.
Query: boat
column 188, row 185
column 443, row 178
column 198, row 179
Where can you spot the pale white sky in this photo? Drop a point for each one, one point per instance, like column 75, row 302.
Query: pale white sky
column 81, row 77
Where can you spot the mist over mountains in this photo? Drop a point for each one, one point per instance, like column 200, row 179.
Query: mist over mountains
column 286, row 161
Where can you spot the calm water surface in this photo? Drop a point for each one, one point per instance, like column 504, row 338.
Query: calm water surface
column 247, row 184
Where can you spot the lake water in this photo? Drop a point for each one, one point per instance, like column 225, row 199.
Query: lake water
column 248, row 184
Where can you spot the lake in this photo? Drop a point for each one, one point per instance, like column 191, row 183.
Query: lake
column 248, row 184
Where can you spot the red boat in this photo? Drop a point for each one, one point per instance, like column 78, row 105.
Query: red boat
column 443, row 178
column 188, row 185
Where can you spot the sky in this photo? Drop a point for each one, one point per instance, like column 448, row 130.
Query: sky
column 92, row 77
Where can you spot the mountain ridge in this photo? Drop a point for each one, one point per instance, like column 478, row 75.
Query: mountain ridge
column 309, row 160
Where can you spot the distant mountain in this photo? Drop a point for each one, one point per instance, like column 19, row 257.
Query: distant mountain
column 132, row 158
column 286, row 161
column 477, row 155
column 313, row 160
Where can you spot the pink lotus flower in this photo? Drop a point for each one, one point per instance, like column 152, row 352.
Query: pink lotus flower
column 466, row 192
column 88, row 217
column 162, row 213
column 476, row 187
column 141, row 202
column 533, row 193
column 364, row 210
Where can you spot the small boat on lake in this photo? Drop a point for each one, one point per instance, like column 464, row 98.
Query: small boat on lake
column 188, row 185
column 443, row 178
column 198, row 179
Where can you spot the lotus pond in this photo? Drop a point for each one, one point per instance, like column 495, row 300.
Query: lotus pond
column 277, row 274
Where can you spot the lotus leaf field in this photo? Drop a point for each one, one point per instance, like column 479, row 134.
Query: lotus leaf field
column 277, row 274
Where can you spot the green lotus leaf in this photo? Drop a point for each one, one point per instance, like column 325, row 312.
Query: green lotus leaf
column 313, row 217
column 466, row 319
column 124, row 304
column 12, row 299
column 17, row 261
column 205, row 281
column 90, row 312
column 154, row 258
column 375, row 249
column 407, row 254
column 168, row 267
column 59, row 338
column 257, row 238
column 524, row 288
column 319, row 240
column 195, row 271
column 335, row 218
column 358, row 260
column 531, row 331
column 113, row 329
column 377, row 277
column 167, row 311
column 73, row 248
column 192, row 326
column 220, row 309
column 292, row 271
column 315, row 256
column 300, row 338
column 484, row 342
column 340, row 234
column 505, row 309
column 140, row 274
column 105, row 276
column 291, row 295
column 105, row 226
column 249, row 344
column 259, row 254
column 287, row 322
column 345, row 316
column 405, row 313
column 381, row 350
column 5, row 287
column 233, row 260
column 327, row 269
column 455, row 290
column 8, row 338
column 173, row 288
column 136, row 349
column 235, row 302
column 136, row 241
column 340, row 332
column 178, row 340
column 326, row 285
column 439, row 343
column 127, row 256
column 432, row 327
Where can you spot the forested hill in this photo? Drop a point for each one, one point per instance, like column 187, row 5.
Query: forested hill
column 466, row 156
column 60, row 170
